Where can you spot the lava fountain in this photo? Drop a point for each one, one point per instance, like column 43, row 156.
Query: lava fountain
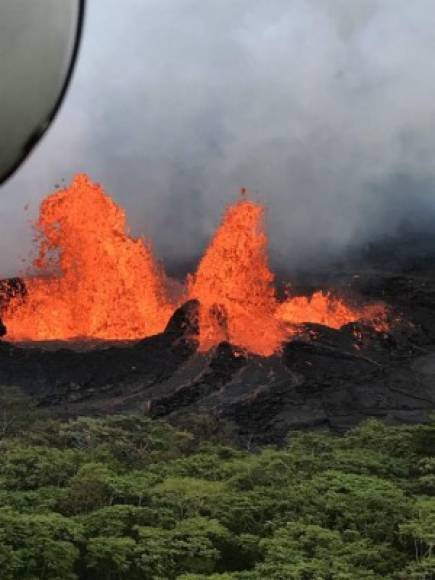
column 93, row 280
column 234, row 284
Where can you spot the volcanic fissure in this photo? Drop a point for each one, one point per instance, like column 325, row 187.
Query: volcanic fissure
column 92, row 280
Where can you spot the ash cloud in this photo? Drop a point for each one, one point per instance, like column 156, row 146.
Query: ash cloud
column 325, row 110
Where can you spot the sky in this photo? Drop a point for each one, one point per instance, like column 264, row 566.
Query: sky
column 324, row 109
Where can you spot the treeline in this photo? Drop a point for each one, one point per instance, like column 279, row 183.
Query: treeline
column 125, row 497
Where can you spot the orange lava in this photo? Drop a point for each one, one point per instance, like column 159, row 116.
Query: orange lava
column 92, row 279
column 329, row 310
column 234, row 284
column 95, row 281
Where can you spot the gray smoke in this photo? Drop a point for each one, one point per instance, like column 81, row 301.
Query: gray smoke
column 325, row 109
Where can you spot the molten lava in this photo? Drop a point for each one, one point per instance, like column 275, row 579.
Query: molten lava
column 234, row 284
column 93, row 280
column 324, row 308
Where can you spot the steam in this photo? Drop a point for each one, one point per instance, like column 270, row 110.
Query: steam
column 325, row 110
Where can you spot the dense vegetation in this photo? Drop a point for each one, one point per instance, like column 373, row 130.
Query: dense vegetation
column 125, row 497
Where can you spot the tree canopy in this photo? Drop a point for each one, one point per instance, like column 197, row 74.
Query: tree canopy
column 126, row 497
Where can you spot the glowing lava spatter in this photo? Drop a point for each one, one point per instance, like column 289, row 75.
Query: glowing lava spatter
column 234, row 284
column 92, row 279
column 329, row 310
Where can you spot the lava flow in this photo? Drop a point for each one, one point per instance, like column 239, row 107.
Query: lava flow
column 329, row 310
column 93, row 280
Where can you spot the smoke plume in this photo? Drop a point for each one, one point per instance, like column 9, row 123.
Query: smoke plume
column 324, row 110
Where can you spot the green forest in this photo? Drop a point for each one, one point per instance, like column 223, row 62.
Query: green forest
column 127, row 497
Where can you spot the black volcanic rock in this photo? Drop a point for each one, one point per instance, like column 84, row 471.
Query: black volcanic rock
column 215, row 374
column 325, row 378
column 67, row 377
column 185, row 321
